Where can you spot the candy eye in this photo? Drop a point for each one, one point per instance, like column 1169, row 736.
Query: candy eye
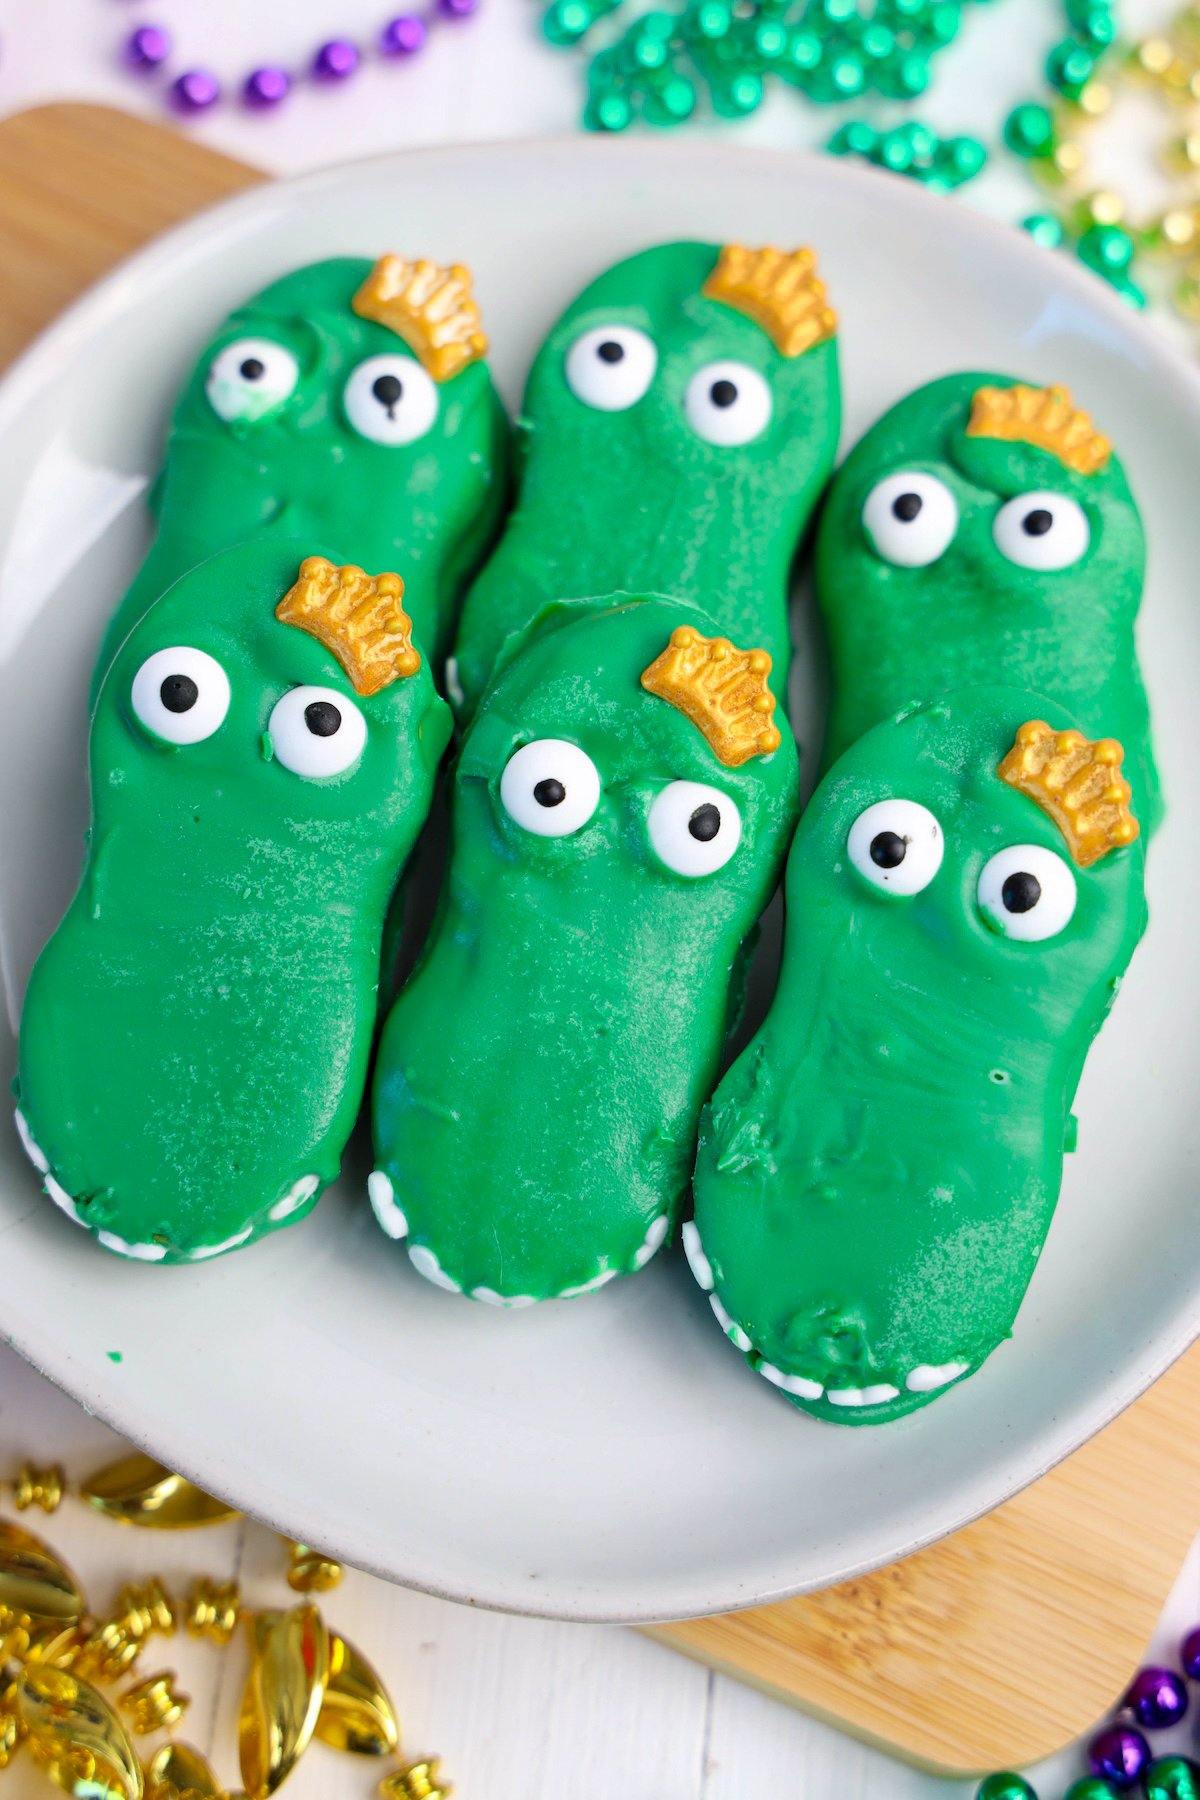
column 1026, row 892
column 317, row 731
column 897, row 845
column 1042, row 531
column 251, row 378
column 694, row 829
column 390, row 399
column 550, row 787
column 727, row 403
column 911, row 519
column 611, row 367
column 181, row 695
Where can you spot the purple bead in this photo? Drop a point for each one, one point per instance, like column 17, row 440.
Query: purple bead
column 335, row 60
column 1189, row 1653
column 1157, row 1698
column 457, row 9
column 147, row 47
column 402, row 36
column 266, row 87
column 1118, row 1754
column 195, row 91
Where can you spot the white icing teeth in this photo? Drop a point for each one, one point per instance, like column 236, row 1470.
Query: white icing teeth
column 699, row 1264
column 63, row 1200
column 587, row 1287
column 454, row 687
column 204, row 1251
column 426, row 1263
column 652, row 1241
column 878, row 1395
column 732, row 1330
column 139, row 1252
column 927, row 1376
column 32, row 1149
column 385, row 1206
column 294, row 1199
column 791, row 1384
column 490, row 1297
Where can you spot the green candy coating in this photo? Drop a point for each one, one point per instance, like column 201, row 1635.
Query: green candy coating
column 878, row 1170
column 1172, row 1778
column 1004, row 1785
column 195, row 1037
column 539, row 1080
column 301, row 470
column 901, row 634
column 633, row 499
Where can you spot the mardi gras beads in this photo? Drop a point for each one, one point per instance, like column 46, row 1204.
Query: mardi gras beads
column 912, row 149
column 1172, row 1778
column 419, row 1781
column 310, row 1571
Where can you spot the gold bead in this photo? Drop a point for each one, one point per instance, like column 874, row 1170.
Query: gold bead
column 357, row 1712
column 212, row 1610
column 1153, row 57
column 139, row 1491
column 310, row 1571
column 1104, row 207
column 1185, row 296
column 177, row 1772
column 1178, row 231
column 1095, row 99
column 39, row 1487
column 1068, row 159
column 75, row 1736
column 10, row 1730
column 145, row 1609
column 106, row 1652
column 1181, row 155
column 283, row 1696
column 153, row 1704
column 34, row 1582
column 419, row 1781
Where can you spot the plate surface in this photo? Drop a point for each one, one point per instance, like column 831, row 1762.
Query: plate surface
column 611, row 1457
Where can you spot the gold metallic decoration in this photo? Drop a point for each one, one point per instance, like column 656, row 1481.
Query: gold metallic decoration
column 38, row 1487
column 722, row 690
column 75, row 1736
column 106, row 1652
column 419, row 1781
column 311, row 1572
column 1102, row 207
column 155, row 1704
column 33, row 1582
column 179, row 1770
column 357, row 1714
column 1043, row 417
column 146, row 1609
column 212, row 1610
column 432, row 308
column 283, row 1696
column 139, row 1491
column 780, row 290
column 1078, row 784
column 359, row 617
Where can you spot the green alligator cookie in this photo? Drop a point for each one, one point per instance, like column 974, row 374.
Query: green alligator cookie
column 195, row 1037
column 878, row 1170
column 621, row 808
column 679, row 423
column 984, row 531
column 346, row 405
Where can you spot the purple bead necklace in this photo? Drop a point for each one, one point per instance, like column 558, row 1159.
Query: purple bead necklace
column 147, row 50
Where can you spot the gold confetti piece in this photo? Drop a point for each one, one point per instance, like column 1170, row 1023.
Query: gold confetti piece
column 357, row 1714
column 155, row 1704
column 33, row 1583
column 38, row 1487
column 419, row 1781
column 178, row 1769
column 139, row 1491
column 76, row 1737
column 106, row 1652
column 145, row 1609
column 283, row 1696
column 10, row 1732
column 212, row 1610
column 311, row 1572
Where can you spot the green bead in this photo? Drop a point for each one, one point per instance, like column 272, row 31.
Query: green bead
column 1045, row 229
column 742, row 95
column 1172, row 1778
column 803, row 54
column 895, row 153
column 1093, row 21
column 855, row 138
column 905, row 76
column 1092, row 1787
column 876, row 42
column 671, row 102
column 1108, row 249
column 566, row 21
column 1029, row 130
column 1069, row 67
column 770, row 40
column 711, row 19
column 837, row 12
column 1005, row 1786
column 608, row 112
column 847, row 75
column 942, row 23
column 960, row 159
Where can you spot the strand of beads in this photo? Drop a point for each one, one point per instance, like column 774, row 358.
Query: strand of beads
column 938, row 163
column 1119, row 1757
column 148, row 48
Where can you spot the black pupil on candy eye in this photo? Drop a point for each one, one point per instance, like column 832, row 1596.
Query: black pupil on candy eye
column 723, row 393
column 322, row 718
column 705, row 823
column 888, row 849
column 1021, row 892
column 549, row 792
column 906, row 507
column 388, row 389
column 179, row 693
column 1038, row 522
column 253, row 369
column 610, row 351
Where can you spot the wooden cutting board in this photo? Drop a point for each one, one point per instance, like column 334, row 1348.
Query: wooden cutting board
column 991, row 1649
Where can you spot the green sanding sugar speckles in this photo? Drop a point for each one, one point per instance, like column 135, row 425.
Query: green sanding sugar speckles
column 195, row 1036
column 949, row 555
column 303, row 420
column 540, row 1078
column 667, row 445
column 878, row 1170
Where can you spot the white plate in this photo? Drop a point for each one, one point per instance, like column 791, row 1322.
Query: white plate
column 611, row 1457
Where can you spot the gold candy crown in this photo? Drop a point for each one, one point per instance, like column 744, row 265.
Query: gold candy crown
column 430, row 307
column 779, row 290
column 1078, row 783
column 1044, row 417
column 723, row 691
column 358, row 616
